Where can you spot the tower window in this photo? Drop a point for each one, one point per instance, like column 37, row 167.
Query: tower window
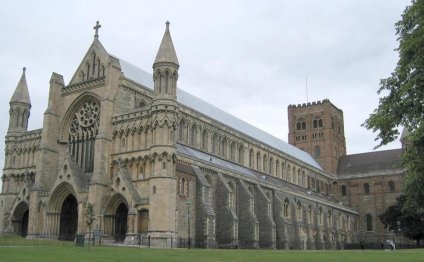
column 391, row 186
column 343, row 190
column 301, row 124
column 366, row 188
column 368, row 222
column 317, row 151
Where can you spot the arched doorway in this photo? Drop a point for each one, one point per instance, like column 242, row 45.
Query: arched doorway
column 24, row 224
column 20, row 219
column 121, row 223
column 68, row 218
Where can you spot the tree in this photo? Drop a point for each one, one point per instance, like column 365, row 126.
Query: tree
column 403, row 219
column 89, row 219
column 403, row 102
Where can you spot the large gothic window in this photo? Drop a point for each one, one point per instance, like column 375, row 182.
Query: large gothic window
column 82, row 134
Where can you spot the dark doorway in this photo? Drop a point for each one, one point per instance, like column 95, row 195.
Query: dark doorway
column 68, row 219
column 121, row 222
column 24, row 224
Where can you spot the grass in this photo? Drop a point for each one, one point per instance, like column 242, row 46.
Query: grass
column 25, row 250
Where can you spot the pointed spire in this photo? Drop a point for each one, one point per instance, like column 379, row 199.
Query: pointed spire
column 21, row 92
column 166, row 52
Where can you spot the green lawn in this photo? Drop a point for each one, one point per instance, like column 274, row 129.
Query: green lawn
column 24, row 250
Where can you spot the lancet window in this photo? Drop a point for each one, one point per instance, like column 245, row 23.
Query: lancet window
column 82, row 134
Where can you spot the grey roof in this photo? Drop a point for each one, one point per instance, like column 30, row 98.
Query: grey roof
column 21, row 92
column 369, row 162
column 140, row 76
column 166, row 52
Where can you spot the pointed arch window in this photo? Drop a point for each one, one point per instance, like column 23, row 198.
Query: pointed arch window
column 265, row 164
column 366, row 188
column 343, row 190
column 286, row 208
column 299, row 211
column 391, row 186
column 215, row 144
column 251, row 159
column 82, row 134
column 193, row 136
column 224, row 146
column 183, row 190
column 233, row 152
column 320, row 217
column 240, row 155
column 232, row 196
column 368, row 222
column 317, row 151
column 205, row 139
column 182, row 131
column 309, row 214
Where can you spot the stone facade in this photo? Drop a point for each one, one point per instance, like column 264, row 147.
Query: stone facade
column 156, row 161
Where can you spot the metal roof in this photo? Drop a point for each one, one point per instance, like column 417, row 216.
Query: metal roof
column 370, row 162
column 142, row 77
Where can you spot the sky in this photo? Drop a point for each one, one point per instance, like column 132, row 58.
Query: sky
column 249, row 58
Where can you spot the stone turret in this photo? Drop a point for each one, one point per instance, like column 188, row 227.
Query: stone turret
column 20, row 106
column 165, row 68
column 164, row 115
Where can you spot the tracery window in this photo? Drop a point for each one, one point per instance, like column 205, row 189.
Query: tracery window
column 82, row 133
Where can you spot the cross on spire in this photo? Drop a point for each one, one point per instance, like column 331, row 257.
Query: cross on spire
column 96, row 27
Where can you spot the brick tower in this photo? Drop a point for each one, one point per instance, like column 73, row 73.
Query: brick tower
column 318, row 128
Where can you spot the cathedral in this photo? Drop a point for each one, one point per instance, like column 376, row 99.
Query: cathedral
column 158, row 162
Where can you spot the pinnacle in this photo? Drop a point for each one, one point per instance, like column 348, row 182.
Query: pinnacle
column 21, row 93
column 166, row 52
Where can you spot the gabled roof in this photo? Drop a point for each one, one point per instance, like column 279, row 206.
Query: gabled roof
column 140, row 76
column 21, row 93
column 369, row 162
